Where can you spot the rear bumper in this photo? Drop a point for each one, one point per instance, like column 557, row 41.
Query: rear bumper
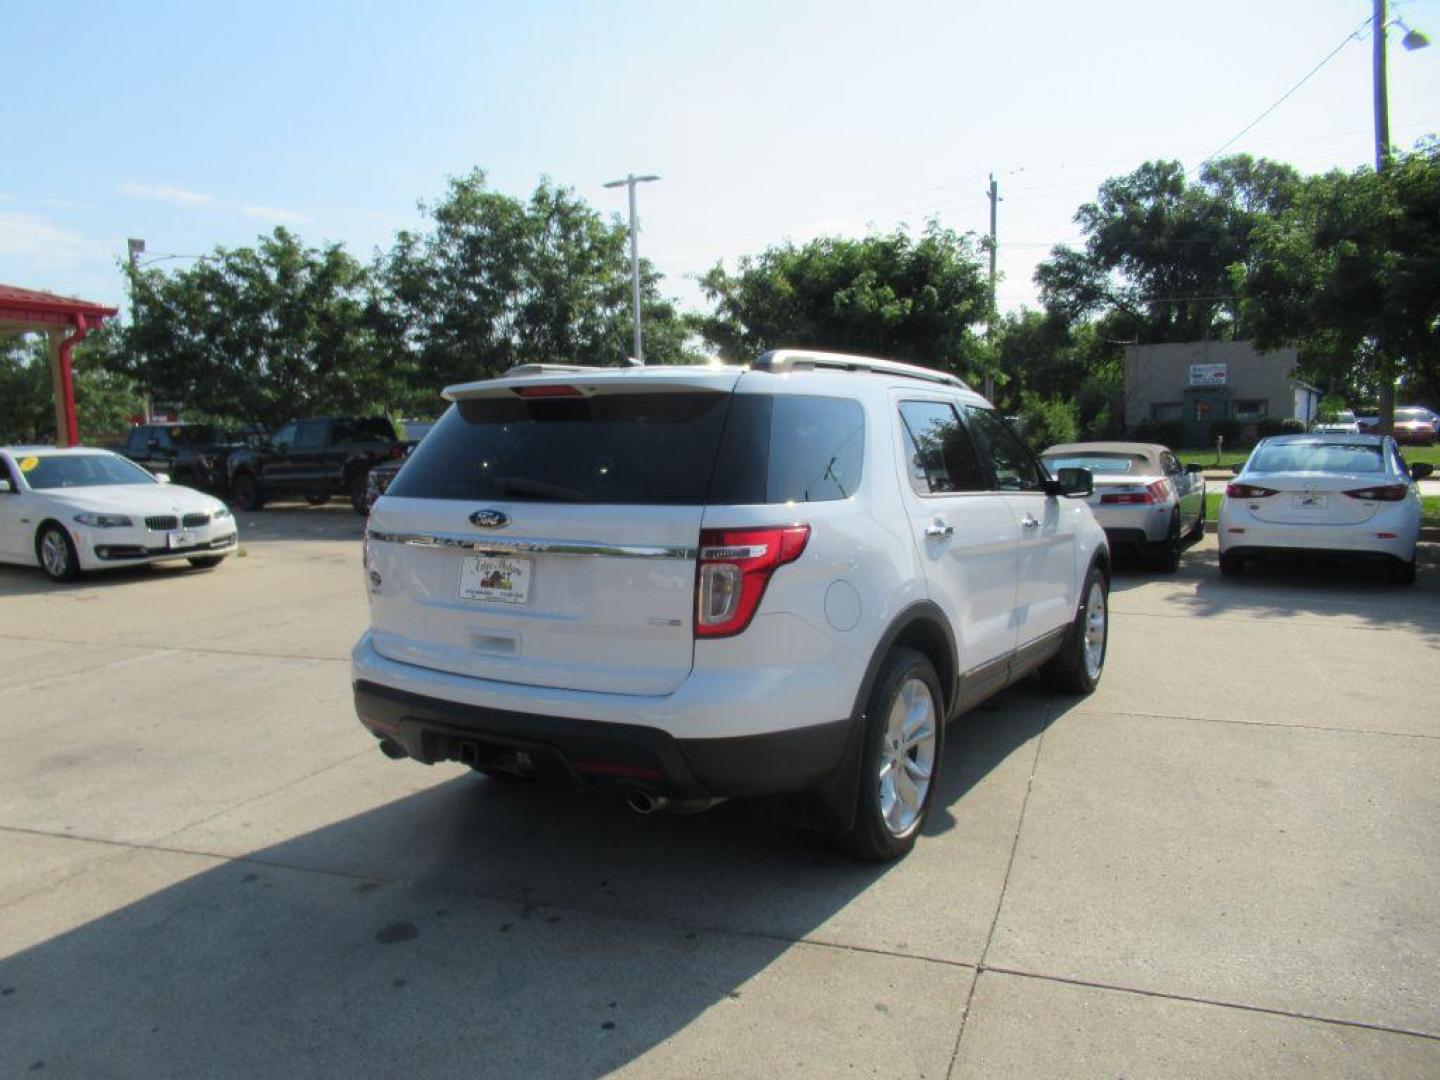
column 603, row 755
column 1131, row 525
column 1243, row 534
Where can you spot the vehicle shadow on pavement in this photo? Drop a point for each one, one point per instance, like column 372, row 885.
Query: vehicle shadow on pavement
column 476, row 927
column 31, row 580
column 296, row 521
column 1323, row 587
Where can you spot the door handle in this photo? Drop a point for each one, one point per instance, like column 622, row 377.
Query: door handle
column 939, row 528
column 1030, row 522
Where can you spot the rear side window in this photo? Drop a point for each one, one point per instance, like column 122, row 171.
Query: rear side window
column 789, row 448
column 940, row 456
column 638, row 449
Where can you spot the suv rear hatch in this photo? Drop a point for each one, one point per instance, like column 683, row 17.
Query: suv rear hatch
column 546, row 531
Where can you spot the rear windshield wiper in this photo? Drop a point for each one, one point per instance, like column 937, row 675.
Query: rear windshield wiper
column 518, row 485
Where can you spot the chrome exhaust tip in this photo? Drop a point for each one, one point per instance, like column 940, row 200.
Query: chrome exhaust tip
column 642, row 802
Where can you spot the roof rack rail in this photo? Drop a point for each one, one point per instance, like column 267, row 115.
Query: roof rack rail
column 548, row 369
column 779, row 361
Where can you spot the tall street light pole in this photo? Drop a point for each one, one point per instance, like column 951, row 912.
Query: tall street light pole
column 629, row 182
column 1413, row 40
column 136, row 249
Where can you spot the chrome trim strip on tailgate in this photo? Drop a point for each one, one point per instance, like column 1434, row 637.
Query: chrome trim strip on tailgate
column 518, row 546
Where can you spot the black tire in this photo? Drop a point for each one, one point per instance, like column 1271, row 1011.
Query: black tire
column 205, row 562
column 874, row 837
column 1231, row 565
column 245, row 493
column 357, row 485
column 1167, row 554
column 56, row 553
column 1403, row 573
column 317, row 500
column 1078, row 666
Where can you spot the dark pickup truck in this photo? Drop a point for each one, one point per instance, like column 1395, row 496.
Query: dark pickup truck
column 313, row 459
column 194, row 455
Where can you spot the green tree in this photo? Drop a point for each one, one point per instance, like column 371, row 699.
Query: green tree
column 1159, row 246
column 259, row 334
column 104, row 399
column 497, row 281
column 892, row 296
column 1350, row 275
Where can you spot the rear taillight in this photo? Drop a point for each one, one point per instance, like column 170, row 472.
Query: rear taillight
column 1383, row 493
column 1247, row 491
column 735, row 566
column 1157, row 491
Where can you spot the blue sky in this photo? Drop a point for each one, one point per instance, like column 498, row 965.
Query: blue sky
column 192, row 124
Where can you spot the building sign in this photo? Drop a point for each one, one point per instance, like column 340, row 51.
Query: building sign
column 1207, row 375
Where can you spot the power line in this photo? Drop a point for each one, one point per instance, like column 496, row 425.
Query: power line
column 1283, row 97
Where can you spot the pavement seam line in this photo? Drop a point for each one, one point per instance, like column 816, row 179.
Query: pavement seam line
column 178, row 649
column 1084, row 711
column 999, row 903
column 153, row 652
column 1189, row 999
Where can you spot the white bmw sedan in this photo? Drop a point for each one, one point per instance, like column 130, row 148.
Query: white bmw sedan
column 1344, row 495
column 68, row 511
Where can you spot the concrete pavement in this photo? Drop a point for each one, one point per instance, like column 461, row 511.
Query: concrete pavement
column 1225, row 862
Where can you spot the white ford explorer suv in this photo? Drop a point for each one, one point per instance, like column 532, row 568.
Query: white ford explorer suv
column 685, row 584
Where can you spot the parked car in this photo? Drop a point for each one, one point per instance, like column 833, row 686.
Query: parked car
column 314, row 459
column 1415, row 425
column 1341, row 495
column 192, row 454
column 381, row 475
column 1144, row 499
column 1342, row 423
column 684, row 584
column 73, row 510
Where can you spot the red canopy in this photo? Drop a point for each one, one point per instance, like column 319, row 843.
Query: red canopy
column 31, row 311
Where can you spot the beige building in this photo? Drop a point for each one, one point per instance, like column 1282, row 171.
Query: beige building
column 1197, row 383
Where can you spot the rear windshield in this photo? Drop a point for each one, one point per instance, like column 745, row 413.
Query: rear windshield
column 1318, row 458
column 641, row 449
column 1099, row 463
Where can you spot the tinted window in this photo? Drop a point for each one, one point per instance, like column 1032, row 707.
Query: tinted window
column 787, row 448
column 310, row 434
column 284, row 438
column 1359, row 458
column 372, row 430
column 194, row 435
column 610, row 448
column 138, row 440
column 939, row 454
column 1015, row 468
column 81, row 470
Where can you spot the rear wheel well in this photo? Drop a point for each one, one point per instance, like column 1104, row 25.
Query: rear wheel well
column 927, row 638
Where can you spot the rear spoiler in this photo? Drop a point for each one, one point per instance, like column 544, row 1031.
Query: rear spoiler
column 589, row 381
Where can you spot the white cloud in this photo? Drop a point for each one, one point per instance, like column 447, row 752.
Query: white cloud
column 29, row 236
column 277, row 214
column 167, row 193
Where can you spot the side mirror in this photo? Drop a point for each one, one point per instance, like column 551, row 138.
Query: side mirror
column 162, row 477
column 1235, row 469
column 1419, row 471
column 1072, row 484
column 5, row 487
column 1194, row 466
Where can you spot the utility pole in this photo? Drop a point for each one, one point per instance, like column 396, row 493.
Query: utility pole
column 1386, row 419
column 629, row 182
column 137, row 248
column 990, row 319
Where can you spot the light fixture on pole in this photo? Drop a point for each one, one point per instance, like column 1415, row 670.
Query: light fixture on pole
column 629, row 182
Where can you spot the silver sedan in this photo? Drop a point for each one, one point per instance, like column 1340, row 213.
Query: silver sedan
column 1144, row 499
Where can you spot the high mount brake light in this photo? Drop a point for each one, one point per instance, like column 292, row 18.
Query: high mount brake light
column 1157, row 491
column 1382, row 493
column 734, row 569
column 550, row 390
column 1248, row 491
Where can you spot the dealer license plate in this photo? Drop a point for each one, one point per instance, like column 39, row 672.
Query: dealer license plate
column 1310, row 501
column 179, row 540
column 496, row 579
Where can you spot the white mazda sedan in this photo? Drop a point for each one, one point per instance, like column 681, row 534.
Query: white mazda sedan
column 68, row 511
column 1342, row 495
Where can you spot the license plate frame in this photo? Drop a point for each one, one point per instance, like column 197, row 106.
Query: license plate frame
column 179, row 539
column 496, row 579
column 1311, row 500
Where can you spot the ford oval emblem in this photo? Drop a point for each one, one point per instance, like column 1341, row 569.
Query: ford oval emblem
column 490, row 519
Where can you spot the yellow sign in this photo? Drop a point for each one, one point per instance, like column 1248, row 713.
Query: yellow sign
column 26, row 464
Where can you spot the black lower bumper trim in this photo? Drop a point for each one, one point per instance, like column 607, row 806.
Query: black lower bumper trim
column 596, row 754
column 1327, row 554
